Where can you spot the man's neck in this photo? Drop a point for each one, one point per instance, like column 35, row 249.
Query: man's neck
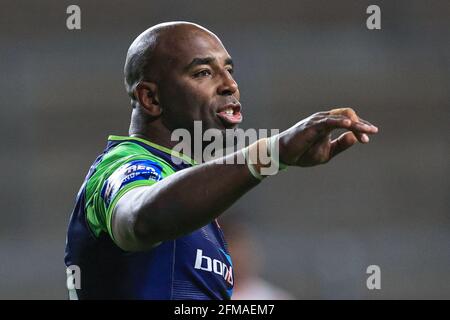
column 152, row 130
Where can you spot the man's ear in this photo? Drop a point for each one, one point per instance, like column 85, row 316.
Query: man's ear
column 147, row 95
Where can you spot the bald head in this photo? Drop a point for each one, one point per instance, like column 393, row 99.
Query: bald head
column 177, row 73
column 155, row 48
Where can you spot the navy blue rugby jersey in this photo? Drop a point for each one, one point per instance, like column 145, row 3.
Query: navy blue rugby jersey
column 194, row 266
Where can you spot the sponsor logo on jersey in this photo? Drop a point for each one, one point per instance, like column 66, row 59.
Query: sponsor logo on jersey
column 130, row 172
column 205, row 263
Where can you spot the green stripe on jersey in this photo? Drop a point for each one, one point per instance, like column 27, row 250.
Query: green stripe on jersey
column 97, row 210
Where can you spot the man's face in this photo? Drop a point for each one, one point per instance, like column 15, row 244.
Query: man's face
column 197, row 83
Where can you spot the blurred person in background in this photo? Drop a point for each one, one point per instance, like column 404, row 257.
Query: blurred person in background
column 248, row 262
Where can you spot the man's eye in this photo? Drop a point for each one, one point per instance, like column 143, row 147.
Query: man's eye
column 202, row 73
column 231, row 71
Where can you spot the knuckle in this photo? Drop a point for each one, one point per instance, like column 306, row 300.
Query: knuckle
column 350, row 110
column 347, row 111
column 351, row 114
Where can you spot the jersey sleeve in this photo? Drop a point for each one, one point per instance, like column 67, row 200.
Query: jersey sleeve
column 114, row 181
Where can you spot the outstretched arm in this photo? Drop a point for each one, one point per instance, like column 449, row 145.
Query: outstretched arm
column 191, row 198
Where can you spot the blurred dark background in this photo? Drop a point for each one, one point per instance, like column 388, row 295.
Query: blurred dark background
column 386, row 203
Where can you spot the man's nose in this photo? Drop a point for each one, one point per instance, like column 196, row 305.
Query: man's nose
column 227, row 86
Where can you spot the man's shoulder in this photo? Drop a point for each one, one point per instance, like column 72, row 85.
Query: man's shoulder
column 123, row 166
column 127, row 153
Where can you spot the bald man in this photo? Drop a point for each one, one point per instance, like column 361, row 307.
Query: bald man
column 144, row 224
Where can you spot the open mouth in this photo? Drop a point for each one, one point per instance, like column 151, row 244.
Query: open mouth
column 230, row 114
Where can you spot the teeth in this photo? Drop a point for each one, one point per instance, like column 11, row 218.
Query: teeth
column 229, row 111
